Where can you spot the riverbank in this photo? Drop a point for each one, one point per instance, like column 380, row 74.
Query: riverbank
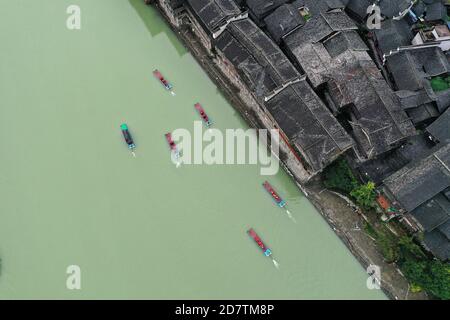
column 70, row 206
column 348, row 223
column 342, row 218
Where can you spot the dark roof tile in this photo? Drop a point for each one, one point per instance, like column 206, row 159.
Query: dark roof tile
column 440, row 128
column 433, row 213
column 309, row 124
column 259, row 61
column 423, row 113
column 420, row 181
column 436, row 11
column 213, row 14
column 282, row 21
column 392, row 35
column 261, row 8
column 352, row 79
column 438, row 244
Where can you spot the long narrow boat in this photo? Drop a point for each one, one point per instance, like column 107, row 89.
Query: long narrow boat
column 127, row 136
column 163, row 81
column 267, row 252
column 203, row 114
column 172, row 145
column 280, row 202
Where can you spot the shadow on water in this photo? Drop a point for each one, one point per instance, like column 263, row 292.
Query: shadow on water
column 155, row 24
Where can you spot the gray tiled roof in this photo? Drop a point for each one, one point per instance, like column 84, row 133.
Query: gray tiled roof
column 380, row 168
column 316, row 7
column 405, row 72
column 212, row 14
column 259, row 61
column 359, row 7
column 282, row 21
column 423, row 113
column 379, row 122
column 445, row 229
column 432, row 60
column 304, row 45
column 443, row 100
column 261, row 8
column 440, row 128
column 438, row 243
column 345, row 40
column 433, row 213
column 392, row 8
column 175, row 3
column 308, row 123
column 411, row 70
column 436, row 11
column 419, row 8
column 392, row 35
column 352, row 78
column 420, row 181
column 319, row 27
column 447, row 193
column 412, row 99
column 389, row 8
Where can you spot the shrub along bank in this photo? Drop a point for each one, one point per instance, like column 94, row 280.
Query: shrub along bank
column 423, row 272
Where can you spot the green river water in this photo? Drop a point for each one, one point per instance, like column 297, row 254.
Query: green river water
column 72, row 194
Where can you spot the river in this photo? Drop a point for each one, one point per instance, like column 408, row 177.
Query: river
column 72, row 194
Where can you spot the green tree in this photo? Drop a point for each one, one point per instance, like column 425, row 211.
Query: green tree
column 415, row 271
column 409, row 249
column 431, row 275
column 440, row 280
column 388, row 248
column 440, row 83
column 365, row 195
column 339, row 176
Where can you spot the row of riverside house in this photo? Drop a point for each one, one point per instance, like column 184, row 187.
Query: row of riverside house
column 303, row 68
column 412, row 46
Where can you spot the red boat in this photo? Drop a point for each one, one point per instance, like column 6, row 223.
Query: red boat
column 171, row 143
column 203, row 115
column 280, row 202
column 267, row 252
column 163, row 81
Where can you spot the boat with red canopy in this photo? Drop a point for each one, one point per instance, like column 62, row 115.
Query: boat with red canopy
column 203, row 114
column 267, row 252
column 163, row 80
column 280, row 202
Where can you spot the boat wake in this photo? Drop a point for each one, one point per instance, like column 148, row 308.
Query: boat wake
column 173, row 93
column 290, row 216
column 275, row 263
column 134, row 154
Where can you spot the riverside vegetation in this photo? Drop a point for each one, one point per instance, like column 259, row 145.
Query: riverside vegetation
column 422, row 271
